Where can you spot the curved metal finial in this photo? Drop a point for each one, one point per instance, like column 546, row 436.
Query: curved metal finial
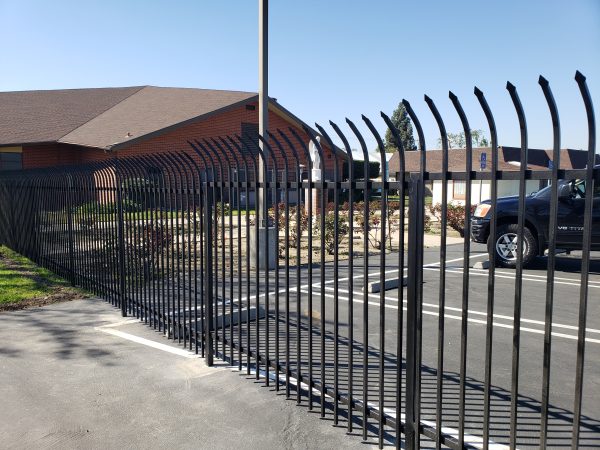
column 443, row 133
column 315, row 141
column 332, row 146
column 209, row 151
column 396, row 135
column 375, row 133
column 545, row 85
column 489, row 117
column 238, row 144
column 344, row 140
column 258, row 149
column 363, row 147
column 466, row 128
column 204, row 161
column 361, row 140
column 416, row 123
column 237, row 161
column 328, row 139
column 270, row 151
column 281, row 151
column 303, row 146
column 589, row 109
column 522, row 122
column 233, row 149
column 290, row 145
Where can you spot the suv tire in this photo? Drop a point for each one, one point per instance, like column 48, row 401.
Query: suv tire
column 505, row 246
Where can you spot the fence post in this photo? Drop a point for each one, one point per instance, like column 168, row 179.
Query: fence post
column 121, row 238
column 208, row 276
column 415, row 231
column 70, row 229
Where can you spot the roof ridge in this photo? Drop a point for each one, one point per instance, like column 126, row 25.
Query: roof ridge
column 74, row 89
column 201, row 89
column 139, row 88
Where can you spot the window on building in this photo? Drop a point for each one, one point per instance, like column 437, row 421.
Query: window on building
column 11, row 158
column 459, row 190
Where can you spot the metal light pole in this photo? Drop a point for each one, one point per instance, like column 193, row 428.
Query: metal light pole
column 263, row 92
column 266, row 235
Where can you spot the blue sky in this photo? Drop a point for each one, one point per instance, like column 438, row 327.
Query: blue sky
column 328, row 59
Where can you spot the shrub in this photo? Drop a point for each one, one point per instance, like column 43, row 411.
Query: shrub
column 455, row 215
column 137, row 194
column 427, row 224
column 143, row 251
column 359, row 169
column 373, row 223
column 331, row 245
column 95, row 208
column 303, row 219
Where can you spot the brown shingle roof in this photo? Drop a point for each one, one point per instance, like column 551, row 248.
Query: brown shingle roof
column 537, row 159
column 104, row 117
column 150, row 110
column 46, row 116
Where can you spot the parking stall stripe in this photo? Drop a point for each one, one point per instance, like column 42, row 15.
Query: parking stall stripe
column 472, row 320
column 475, row 441
column 470, row 311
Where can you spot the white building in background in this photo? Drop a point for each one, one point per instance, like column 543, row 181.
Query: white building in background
column 509, row 159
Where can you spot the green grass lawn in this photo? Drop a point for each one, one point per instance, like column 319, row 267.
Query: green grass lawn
column 23, row 283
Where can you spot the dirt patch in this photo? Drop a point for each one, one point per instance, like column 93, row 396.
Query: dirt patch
column 45, row 288
column 60, row 294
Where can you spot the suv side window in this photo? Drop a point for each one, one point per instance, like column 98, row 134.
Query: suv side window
column 578, row 189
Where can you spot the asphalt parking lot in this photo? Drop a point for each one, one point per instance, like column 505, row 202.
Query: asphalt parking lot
column 564, row 342
column 77, row 375
column 534, row 285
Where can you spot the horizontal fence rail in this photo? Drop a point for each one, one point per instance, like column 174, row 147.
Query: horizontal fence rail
column 264, row 252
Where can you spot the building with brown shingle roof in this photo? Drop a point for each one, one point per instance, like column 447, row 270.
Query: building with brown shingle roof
column 509, row 159
column 74, row 126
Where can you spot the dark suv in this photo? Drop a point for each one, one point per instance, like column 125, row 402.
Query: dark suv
column 571, row 201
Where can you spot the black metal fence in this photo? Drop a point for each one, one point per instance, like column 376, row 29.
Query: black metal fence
column 172, row 240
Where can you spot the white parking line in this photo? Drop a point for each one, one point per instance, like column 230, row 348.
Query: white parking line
column 472, row 320
column 484, row 273
column 528, row 277
column 544, row 277
column 140, row 340
column 475, row 441
column 471, row 311
column 376, row 274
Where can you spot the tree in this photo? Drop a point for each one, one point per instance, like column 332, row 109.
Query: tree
column 458, row 140
column 402, row 122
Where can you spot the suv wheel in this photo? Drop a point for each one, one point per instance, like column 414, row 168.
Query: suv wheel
column 505, row 246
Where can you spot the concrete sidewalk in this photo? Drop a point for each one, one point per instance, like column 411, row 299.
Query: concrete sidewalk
column 72, row 377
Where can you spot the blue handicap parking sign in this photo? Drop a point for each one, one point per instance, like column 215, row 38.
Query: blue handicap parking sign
column 483, row 161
